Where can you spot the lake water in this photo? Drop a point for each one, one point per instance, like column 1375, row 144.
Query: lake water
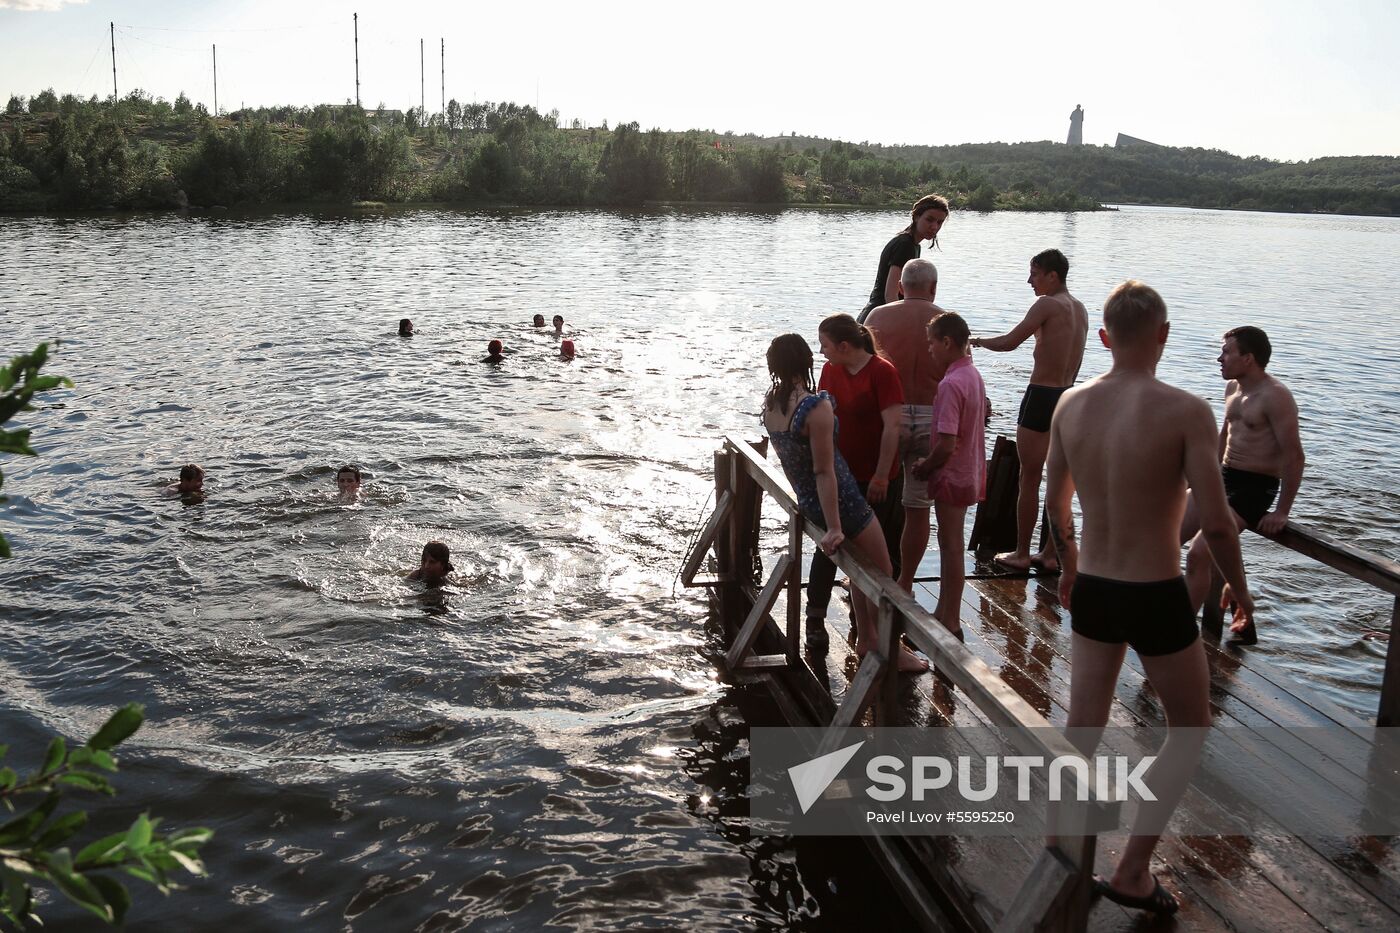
column 542, row 744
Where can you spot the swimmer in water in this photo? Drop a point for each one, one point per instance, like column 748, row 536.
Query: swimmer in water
column 191, row 482
column 405, row 327
column 566, row 350
column 435, row 564
column 347, row 480
column 559, row 323
column 495, row 352
column 539, row 320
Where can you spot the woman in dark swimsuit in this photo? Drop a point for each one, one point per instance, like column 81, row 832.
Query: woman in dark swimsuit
column 926, row 219
column 802, row 426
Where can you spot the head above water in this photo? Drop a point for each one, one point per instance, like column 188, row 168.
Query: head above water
column 842, row 328
column 539, row 320
column 347, row 479
column 1251, row 341
column 436, row 560
column 495, row 347
column 558, row 321
column 566, row 349
column 1052, row 260
column 1135, row 315
column 789, row 365
column 191, row 478
column 405, row 327
column 923, row 227
column 919, row 279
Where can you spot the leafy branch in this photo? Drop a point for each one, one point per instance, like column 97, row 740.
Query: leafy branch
column 32, row 850
column 19, row 383
column 31, row 844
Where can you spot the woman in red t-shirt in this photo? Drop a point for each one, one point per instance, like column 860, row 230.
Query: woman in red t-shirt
column 868, row 398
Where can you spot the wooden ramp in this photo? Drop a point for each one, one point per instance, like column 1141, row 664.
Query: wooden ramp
column 1018, row 633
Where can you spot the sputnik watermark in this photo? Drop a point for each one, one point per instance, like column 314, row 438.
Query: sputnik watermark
column 1113, row 778
column 977, row 780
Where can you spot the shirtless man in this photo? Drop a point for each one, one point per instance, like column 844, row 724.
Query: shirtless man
column 901, row 333
column 1259, row 447
column 1130, row 445
column 1060, row 325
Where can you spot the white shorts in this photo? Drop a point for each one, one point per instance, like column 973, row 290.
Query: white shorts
column 914, row 424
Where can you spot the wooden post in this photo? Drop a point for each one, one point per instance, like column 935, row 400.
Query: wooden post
column 748, row 504
column 724, row 542
column 794, row 589
column 1073, row 915
column 891, row 627
column 1389, row 712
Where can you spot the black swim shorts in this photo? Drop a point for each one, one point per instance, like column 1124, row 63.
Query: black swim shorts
column 1037, row 405
column 1251, row 495
column 1153, row 618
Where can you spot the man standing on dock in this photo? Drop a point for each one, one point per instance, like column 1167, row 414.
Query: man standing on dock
column 1130, row 445
column 901, row 333
column 1060, row 325
column 1259, row 446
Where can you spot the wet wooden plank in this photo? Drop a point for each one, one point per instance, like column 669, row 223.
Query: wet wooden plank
column 1279, row 858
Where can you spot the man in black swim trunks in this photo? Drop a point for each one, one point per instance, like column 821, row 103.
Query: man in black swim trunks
column 1130, row 444
column 1261, row 454
column 1060, row 325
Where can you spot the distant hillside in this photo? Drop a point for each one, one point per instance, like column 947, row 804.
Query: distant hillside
column 1157, row 174
column 67, row 153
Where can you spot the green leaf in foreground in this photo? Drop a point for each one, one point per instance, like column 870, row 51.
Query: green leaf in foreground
column 123, row 723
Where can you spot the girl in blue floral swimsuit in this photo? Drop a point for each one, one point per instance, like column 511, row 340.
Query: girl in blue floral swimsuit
column 802, row 426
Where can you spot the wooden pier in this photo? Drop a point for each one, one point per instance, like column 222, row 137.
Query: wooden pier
column 1013, row 675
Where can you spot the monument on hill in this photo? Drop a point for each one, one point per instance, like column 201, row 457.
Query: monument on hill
column 1076, row 127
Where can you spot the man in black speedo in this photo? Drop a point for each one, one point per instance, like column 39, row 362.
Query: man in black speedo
column 1060, row 326
column 1130, row 444
column 1261, row 453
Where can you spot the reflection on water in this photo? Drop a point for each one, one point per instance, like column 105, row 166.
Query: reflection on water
column 541, row 741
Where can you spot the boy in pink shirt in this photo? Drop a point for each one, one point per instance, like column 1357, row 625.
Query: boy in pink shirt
column 957, row 465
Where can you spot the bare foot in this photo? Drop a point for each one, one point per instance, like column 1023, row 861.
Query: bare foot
column 1046, row 563
column 910, row 663
column 1244, row 633
column 1014, row 560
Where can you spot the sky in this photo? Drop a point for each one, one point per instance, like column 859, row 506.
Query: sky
column 1286, row 79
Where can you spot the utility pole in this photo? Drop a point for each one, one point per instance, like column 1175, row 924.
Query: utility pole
column 422, row 94
column 357, row 59
column 444, row 79
column 113, row 28
column 215, row 49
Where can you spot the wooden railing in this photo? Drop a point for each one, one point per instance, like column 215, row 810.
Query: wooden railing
column 1360, row 565
column 1056, row 893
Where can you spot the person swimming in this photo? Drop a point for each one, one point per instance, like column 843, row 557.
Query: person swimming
column 405, row 327
column 539, row 320
column 495, row 352
column 434, row 565
column 190, row 485
column 347, row 481
column 559, row 323
column 566, row 349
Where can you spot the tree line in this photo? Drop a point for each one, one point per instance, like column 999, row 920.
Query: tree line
column 66, row 153
column 1150, row 174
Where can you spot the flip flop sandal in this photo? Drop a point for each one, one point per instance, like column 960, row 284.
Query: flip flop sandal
column 1160, row 901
